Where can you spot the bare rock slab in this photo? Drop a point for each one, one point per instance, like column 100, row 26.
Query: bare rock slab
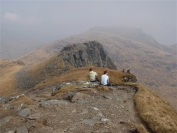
column 5, row 120
column 53, row 102
column 34, row 116
column 79, row 96
column 22, row 129
column 25, row 112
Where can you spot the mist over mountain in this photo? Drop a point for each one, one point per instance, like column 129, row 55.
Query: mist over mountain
column 136, row 34
column 16, row 43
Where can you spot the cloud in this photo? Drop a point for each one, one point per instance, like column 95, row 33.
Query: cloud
column 11, row 17
column 15, row 18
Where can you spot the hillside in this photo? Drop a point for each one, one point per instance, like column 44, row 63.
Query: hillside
column 8, row 69
column 129, row 48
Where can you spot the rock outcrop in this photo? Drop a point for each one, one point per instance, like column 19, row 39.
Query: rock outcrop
column 88, row 53
column 71, row 56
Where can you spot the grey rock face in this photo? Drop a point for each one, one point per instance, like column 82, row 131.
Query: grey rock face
column 89, row 122
column 34, row 116
column 53, row 102
column 22, row 130
column 79, row 96
column 5, row 120
column 25, row 112
column 88, row 53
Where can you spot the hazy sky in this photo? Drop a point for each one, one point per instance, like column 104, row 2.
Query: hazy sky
column 51, row 20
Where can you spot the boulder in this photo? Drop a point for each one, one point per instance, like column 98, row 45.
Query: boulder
column 5, row 120
column 79, row 96
column 34, row 116
column 25, row 112
column 53, row 102
column 22, row 129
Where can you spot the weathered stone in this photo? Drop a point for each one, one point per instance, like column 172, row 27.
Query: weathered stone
column 57, row 87
column 74, row 111
column 18, row 108
column 105, row 119
column 34, row 116
column 79, row 96
column 5, row 120
column 107, row 97
column 85, row 111
column 25, row 112
column 22, row 129
column 95, row 108
column 89, row 122
column 53, row 102
column 122, row 106
column 100, row 114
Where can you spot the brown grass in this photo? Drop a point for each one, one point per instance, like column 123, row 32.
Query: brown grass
column 67, row 88
column 73, row 88
column 81, row 74
column 7, row 78
column 139, row 127
column 159, row 116
column 21, row 100
column 102, row 88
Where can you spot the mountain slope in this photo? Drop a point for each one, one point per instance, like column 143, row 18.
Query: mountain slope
column 8, row 84
column 130, row 49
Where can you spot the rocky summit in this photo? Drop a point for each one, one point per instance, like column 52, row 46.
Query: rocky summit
column 88, row 53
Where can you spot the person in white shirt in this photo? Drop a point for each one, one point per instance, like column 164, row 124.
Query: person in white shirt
column 93, row 76
column 105, row 79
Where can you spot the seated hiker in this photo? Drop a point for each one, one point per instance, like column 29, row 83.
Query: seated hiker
column 92, row 76
column 105, row 79
column 128, row 71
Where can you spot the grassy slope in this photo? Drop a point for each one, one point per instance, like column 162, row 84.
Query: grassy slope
column 155, row 112
column 7, row 77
